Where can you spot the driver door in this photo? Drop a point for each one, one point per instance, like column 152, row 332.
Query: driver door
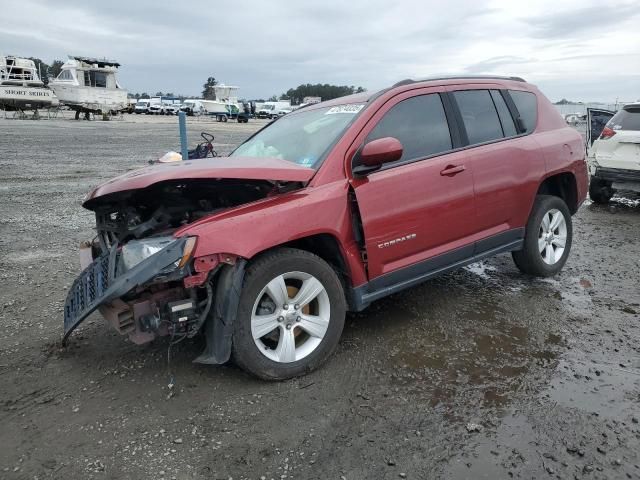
column 417, row 213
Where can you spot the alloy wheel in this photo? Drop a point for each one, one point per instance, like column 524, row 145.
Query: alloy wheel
column 290, row 317
column 553, row 236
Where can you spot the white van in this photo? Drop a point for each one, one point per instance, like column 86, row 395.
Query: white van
column 142, row 106
column 193, row 106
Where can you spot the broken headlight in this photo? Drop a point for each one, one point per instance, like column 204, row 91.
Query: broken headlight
column 136, row 251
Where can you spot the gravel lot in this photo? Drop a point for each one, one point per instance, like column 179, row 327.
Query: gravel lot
column 482, row 373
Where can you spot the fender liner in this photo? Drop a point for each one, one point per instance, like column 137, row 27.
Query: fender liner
column 219, row 326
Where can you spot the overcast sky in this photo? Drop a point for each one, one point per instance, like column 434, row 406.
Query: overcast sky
column 581, row 50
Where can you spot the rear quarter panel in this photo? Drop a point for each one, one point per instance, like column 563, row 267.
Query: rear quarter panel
column 562, row 146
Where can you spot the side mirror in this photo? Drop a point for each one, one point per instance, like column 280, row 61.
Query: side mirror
column 375, row 153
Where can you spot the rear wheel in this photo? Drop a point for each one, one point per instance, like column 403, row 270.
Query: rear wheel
column 548, row 238
column 600, row 191
column 290, row 317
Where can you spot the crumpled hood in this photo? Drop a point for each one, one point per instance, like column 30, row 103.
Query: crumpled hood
column 249, row 168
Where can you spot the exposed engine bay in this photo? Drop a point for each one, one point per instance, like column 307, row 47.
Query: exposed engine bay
column 164, row 207
column 143, row 280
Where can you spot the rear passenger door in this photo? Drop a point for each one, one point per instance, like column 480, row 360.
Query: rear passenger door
column 505, row 162
column 419, row 206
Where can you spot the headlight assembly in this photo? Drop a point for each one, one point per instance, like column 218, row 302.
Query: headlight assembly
column 136, row 251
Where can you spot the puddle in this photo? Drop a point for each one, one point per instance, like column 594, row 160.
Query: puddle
column 596, row 387
column 486, row 356
column 573, row 292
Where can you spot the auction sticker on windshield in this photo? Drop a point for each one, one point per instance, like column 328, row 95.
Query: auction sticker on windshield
column 354, row 108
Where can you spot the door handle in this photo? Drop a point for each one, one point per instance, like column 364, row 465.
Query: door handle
column 451, row 170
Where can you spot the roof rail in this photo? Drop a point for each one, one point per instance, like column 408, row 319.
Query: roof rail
column 409, row 81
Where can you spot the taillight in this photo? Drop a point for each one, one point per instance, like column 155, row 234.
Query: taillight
column 607, row 133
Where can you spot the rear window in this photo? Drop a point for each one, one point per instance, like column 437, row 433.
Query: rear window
column 479, row 115
column 508, row 127
column 527, row 106
column 626, row 119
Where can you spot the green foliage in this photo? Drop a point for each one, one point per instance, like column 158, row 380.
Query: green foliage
column 55, row 68
column 324, row 91
column 42, row 69
column 208, row 93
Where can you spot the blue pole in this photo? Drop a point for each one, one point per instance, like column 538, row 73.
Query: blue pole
column 182, row 123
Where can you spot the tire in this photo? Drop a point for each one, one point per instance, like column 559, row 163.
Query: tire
column 600, row 191
column 541, row 255
column 77, row 114
column 309, row 351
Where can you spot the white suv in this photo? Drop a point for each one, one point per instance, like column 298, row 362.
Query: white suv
column 613, row 147
column 157, row 109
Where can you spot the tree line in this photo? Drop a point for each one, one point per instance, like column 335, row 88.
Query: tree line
column 322, row 90
column 46, row 70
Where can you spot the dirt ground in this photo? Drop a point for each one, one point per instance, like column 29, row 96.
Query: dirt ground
column 482, row 373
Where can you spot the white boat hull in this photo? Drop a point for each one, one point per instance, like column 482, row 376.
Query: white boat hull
column 212, row 107
column 26, row 98
column 91, row 98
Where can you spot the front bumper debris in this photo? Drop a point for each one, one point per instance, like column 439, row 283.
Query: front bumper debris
column 100, row 282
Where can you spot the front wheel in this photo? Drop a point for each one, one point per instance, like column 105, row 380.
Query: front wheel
column 548, row 238
column 290, row 317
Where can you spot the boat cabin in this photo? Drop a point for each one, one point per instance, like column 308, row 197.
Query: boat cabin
column 18, row 71
column 89, row 72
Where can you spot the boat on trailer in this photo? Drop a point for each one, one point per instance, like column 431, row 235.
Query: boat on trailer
column 21, row 87
column 226, row 103
column 88, row 85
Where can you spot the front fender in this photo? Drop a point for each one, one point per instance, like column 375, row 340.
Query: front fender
column 248, row 230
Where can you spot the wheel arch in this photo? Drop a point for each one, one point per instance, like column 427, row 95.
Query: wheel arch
column 324, row 245
column 329, row 248
column 563, row 185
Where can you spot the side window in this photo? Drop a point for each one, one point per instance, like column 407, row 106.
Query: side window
column 527, row 105
column 100, row 79
column 65, row 75
column 419, row 123
column 508, row 126
column 479, row 115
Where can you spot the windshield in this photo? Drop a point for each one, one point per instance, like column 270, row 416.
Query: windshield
column 268, row 107
column 300, row 137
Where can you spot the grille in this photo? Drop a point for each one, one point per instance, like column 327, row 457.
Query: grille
column 89, row 288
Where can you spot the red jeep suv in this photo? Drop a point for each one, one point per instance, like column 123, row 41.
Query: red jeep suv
column 324, row 211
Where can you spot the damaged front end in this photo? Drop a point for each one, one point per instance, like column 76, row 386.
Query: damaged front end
column 141, row 270
column 164, row 293
column 134, row 287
